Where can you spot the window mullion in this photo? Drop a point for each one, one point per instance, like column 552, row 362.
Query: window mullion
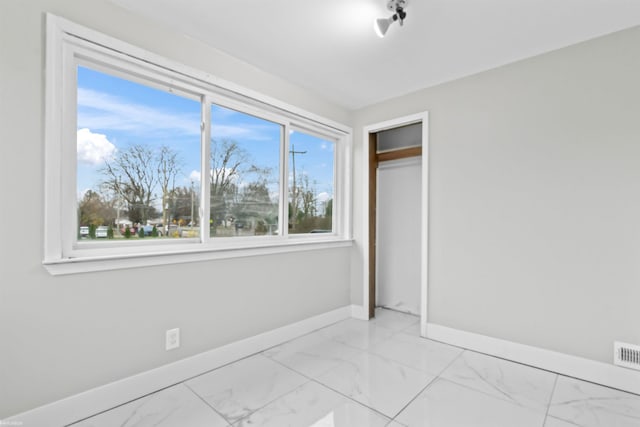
column 284, row 182
column 338, row 190
column 205, row 173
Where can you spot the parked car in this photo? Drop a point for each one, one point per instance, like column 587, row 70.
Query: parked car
column 84, row 231
column 102, row 232
column 132, row 229
column 148, row 229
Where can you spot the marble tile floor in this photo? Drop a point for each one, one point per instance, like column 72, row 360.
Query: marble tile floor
column 378, row 373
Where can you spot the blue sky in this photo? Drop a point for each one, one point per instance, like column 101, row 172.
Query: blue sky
column 114, row 114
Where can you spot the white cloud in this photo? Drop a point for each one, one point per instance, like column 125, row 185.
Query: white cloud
column 93, row 148
column 194, row 176
column 323, row 197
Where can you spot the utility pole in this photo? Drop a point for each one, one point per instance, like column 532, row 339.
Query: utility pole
column 295, row 189
column 118, row 203
column 191, row 204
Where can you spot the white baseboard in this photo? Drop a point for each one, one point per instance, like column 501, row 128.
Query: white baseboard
column 99, row 399
column 564, row 364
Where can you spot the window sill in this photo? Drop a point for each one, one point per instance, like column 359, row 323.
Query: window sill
column 60, row 267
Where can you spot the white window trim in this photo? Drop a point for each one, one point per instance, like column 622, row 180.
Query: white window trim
column 64, row 36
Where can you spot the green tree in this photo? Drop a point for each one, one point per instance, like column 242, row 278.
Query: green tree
column 328, row 210
column 94, row 210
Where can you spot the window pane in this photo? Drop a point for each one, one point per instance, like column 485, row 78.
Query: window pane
column 311, row 169
column 138, row 160
column 245, row 174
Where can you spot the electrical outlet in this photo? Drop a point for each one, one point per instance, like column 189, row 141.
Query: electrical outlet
column 172, row 339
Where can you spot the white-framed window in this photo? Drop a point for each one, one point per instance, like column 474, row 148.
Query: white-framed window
column 147, row 160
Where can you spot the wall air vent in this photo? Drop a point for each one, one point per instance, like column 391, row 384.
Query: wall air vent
column 626, row 355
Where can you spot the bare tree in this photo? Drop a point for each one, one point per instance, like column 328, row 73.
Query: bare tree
column 255, row 202
column 228, row 163
column 295, row 194
column 168, row 168
column 132, row 174
column 239, row 187
column 308, row 197
column 307, row 216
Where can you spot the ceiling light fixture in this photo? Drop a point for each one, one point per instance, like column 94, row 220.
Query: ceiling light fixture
column 382, row 25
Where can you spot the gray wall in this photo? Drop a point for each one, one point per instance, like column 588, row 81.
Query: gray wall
column 533, row 217
column 64, row 335
column 534, row 187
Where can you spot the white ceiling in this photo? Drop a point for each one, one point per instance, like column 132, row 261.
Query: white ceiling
column 329, row 46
